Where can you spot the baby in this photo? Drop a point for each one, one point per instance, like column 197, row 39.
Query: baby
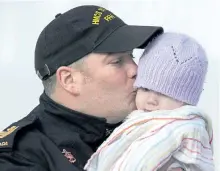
column 167, row 132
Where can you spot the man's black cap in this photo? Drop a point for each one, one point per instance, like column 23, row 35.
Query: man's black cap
column 85, row 29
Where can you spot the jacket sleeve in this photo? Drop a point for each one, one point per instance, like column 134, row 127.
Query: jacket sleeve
column 11, row 161
column 14, row 162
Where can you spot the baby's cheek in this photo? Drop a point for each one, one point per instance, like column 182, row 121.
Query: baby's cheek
column 137, row 101
column 169, row 103
column 140, row 105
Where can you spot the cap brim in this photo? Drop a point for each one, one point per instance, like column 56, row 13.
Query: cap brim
column 127, row 38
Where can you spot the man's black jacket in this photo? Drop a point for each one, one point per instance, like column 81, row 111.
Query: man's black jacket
column 51, row 138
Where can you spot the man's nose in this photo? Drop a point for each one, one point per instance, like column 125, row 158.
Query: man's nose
column 132, row 70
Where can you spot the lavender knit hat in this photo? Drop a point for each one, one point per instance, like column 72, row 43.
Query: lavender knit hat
column 174, row 65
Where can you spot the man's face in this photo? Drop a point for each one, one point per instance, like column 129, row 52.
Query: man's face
column 108, row 87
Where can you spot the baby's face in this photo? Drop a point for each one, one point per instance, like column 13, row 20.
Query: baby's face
column 150, row 101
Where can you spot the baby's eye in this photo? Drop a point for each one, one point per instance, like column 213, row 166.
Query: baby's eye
column 144, row 89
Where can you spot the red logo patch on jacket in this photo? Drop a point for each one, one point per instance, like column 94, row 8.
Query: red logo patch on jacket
column 69, row 156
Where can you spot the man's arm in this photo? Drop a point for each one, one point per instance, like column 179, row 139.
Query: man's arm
column 14, row 162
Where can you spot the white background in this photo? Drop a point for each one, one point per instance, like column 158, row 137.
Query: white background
column 22, row 21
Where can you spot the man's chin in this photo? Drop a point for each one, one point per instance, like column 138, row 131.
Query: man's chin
column 115, row 120
column 133, row 107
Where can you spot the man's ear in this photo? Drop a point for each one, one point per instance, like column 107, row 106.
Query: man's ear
column 68, row 79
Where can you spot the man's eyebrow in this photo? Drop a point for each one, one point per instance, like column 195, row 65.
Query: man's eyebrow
column 105, row 57
column 121, row 53
column 109, row 56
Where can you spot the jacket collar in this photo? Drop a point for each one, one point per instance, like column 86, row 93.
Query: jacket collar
column 63, row 122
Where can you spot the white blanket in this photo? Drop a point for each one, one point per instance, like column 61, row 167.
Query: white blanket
column 147, row 141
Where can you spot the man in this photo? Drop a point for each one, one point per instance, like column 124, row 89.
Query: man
column 84, row 59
